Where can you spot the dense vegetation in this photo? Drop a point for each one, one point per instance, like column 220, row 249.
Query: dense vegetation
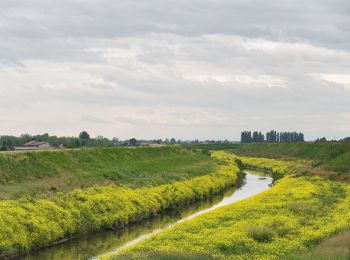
column 271, row 137
column 330, row 159
column 276, row 168
column 295, row 214
column 8, row 142
column 55, row 171
column 29, row 223
column 327, row 159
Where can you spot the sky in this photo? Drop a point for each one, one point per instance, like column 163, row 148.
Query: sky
column 205, row 69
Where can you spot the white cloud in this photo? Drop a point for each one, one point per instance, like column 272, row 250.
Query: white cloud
column 198, row 69
column 341, row 79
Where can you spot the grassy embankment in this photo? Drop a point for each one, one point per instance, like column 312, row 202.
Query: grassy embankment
column 333, row 248
column 329, row 159
column 28, row 223
column 48, row 172
column 297, row 213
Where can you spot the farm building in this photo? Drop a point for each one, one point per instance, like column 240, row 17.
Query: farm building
column 34, row 145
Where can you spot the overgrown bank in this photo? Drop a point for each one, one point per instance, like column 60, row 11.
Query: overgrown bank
column 295, row 214
column 28, row 224
column 48, row 172
column 327, row 159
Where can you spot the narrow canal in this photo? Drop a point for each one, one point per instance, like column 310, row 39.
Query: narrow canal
column 87, row 247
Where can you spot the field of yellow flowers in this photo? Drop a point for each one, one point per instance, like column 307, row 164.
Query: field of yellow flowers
column 295, row 214
column 28, row 223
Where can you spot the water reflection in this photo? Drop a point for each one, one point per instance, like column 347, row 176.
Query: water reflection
column 111, row 241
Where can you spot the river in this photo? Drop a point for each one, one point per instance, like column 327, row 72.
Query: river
column 87, row 247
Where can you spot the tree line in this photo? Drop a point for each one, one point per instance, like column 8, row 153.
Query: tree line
column 8, row 142
column 271, row 137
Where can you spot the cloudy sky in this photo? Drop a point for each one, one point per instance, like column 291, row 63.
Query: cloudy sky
column 175, row 68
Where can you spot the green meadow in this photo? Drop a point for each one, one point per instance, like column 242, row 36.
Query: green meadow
column 29, row 223
column 44, row 173
column 47, row 196
column 293, row 216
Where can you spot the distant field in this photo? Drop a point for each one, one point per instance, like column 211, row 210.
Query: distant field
column 329, row 159
column 48, row 172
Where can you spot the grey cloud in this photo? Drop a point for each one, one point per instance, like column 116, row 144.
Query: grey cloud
column 250, row 62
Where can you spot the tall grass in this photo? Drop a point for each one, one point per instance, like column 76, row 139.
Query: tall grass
column 47, row 172
column 295, row 214
column 28, row 223
column 323, row 153
column 329, row 159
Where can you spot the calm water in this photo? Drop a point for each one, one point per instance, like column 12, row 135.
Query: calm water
column 87, row 247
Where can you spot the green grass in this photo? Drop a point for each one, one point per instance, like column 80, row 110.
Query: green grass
column 327, row 151
column 47, row 172
column 332, row 159
column 154, row 255
column 294, row 215
column 29, row 223
column 334, row 248
column 329, row 159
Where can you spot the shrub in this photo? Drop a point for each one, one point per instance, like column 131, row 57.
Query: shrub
column 262, row 234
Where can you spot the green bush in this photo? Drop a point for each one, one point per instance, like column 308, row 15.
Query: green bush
column 262, row 234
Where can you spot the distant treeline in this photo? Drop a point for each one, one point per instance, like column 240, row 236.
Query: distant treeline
column 9, row 142
column 271, row 137
column 83, row 140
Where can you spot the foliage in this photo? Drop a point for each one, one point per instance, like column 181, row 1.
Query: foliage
column 84, row 135
column 29, row 223
column 293, row 215
column 46, row 172
column 9, row 142
column 329, row 159
column 261, row 234
column 271, row 137
column 277, row 168
column 335, row 248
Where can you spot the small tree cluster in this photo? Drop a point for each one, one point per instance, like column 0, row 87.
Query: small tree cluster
column 271, row 137
column 290, row 137
column 258, row 137
column 321, row 140
column 246, row 137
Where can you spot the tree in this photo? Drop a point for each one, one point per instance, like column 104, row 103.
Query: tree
column 84, row 135
column 133, row 142
column 323, row 139
column 246, row 137
column 172, row 141
column 115, row 141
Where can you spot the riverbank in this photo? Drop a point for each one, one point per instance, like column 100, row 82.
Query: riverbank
column 294, row 215
column 31, row 224
column 41, row 174
column 327, row 159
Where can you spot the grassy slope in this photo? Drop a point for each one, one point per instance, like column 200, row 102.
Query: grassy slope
column 28, row 223
column 329, row 159
column 335, row 248
column 330, row 155
column 52, row 171
column 295, row 214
